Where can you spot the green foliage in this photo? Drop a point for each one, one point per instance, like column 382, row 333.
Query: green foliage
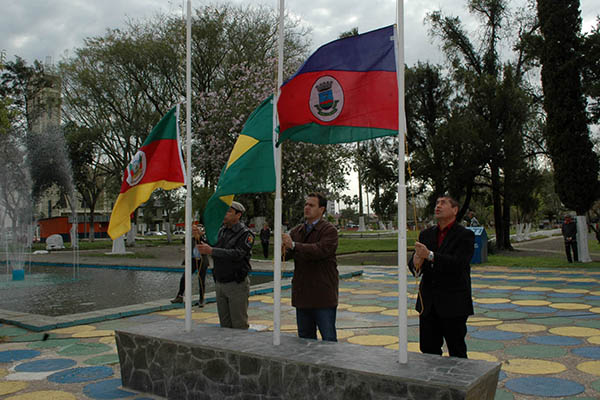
column 591, row 70
column 567, row 133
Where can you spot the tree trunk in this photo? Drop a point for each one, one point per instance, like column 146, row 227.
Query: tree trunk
column 582, row 240
column 497, row 206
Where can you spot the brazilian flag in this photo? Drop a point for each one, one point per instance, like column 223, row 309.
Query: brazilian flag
column 250, row 169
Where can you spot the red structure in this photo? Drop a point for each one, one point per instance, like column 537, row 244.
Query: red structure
column 62, row 226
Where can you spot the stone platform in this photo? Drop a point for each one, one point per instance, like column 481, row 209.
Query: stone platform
column 216, row 363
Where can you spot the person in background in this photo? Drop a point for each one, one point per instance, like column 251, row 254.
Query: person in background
column 231, row 258
column 569, row 232
column 265, row 237
column 312, row 245
column 472, row 220
column 199, row 263
column 441, row 258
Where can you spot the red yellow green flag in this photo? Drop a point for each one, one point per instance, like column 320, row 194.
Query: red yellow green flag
column 157, row 164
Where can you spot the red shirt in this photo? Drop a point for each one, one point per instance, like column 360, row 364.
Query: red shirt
column 441, row 233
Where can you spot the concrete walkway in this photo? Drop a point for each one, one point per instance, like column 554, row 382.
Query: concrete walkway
column 542, row 324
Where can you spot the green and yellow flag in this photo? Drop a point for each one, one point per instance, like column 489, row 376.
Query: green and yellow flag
column 157, row 164
column 250, row 169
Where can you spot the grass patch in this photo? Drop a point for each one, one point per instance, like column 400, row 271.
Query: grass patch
column 535, row 262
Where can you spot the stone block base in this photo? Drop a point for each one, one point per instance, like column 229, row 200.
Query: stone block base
column 217, row 363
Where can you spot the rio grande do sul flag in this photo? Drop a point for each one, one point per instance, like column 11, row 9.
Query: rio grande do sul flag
column 157, row 164
column 346, row 91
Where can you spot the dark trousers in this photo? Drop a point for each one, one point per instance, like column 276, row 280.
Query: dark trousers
column 196, row 263
column 265, row 247
column 433, row 330
column 571, row 245
column 309, row 319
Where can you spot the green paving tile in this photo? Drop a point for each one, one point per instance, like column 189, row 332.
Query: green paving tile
column 505, row 315
column 491, row 295
column 527, row 297
column 31, row 337
column 363, row 302
column 502, row 394
column 83, row 349
column 105, row 359
column 52, row 343
column 551, row 321
column 13, row 331
column 484, row 345
column 596, row 385
column 588, row 323
column 535, row 351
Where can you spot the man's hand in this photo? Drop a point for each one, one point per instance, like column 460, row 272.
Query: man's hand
column 421, row 250
column 204, row 248
column 286, row 241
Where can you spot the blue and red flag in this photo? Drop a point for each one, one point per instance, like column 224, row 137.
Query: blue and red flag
column 346, row 91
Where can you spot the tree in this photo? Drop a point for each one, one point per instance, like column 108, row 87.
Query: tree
column 488, row 87
column 591, row 71
column 88, row 175
column 567, row 132
column 123, row 82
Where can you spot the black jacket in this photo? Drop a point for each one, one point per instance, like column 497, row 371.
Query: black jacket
column 446, row 282
column 232, row 252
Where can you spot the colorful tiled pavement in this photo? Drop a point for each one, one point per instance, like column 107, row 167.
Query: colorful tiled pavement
column 543, row 325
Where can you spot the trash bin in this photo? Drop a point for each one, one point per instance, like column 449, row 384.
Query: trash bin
column 481, row 245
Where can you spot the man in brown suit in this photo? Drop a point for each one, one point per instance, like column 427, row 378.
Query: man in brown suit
column 312, row 245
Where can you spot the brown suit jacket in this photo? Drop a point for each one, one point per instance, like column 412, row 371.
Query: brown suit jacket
column 315, row 282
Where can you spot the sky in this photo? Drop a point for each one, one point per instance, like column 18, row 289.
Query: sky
column 48, row 30
column 36, row 29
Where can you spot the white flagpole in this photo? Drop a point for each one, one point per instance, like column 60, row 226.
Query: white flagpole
column 402, row 292
column 278, row 202
column 188, row 160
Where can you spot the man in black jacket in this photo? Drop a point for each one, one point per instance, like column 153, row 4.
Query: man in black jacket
column 231, row 255
column 569, row 232
column 442, row 256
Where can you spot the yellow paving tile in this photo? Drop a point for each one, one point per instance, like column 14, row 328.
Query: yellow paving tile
column 73, row 329
column 575, row 291
column 365, row 291
column 477, row 355
column 373, row 340
column 521, row 328
column 45, row 395
column 96, row 333
column 413, row 347
column 576, row 331
column 288, row 328
column 366, row 309
column 496, row 300
column 531, row 303
column 343, row 306
column 594, row 293
column 12, row 387
column 529, row 366
column 172, row 313
column 394, row 312
column 267, row 322
column 594, row 339
column 570, row 306
column 108, row 340
column 260, row 297
column 478, row 285
column 3, row 372
column 536, row 289
column 483, row 321
column 590, row 367
column 595, row 310
column 344, row 290
column 505, row 287
column 389, row 294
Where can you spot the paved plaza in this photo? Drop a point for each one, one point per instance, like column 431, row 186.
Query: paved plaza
column 542, row 324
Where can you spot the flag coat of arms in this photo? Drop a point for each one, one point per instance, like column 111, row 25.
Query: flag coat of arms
column 250, row 168
column 157, row 164
column 346, row 91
